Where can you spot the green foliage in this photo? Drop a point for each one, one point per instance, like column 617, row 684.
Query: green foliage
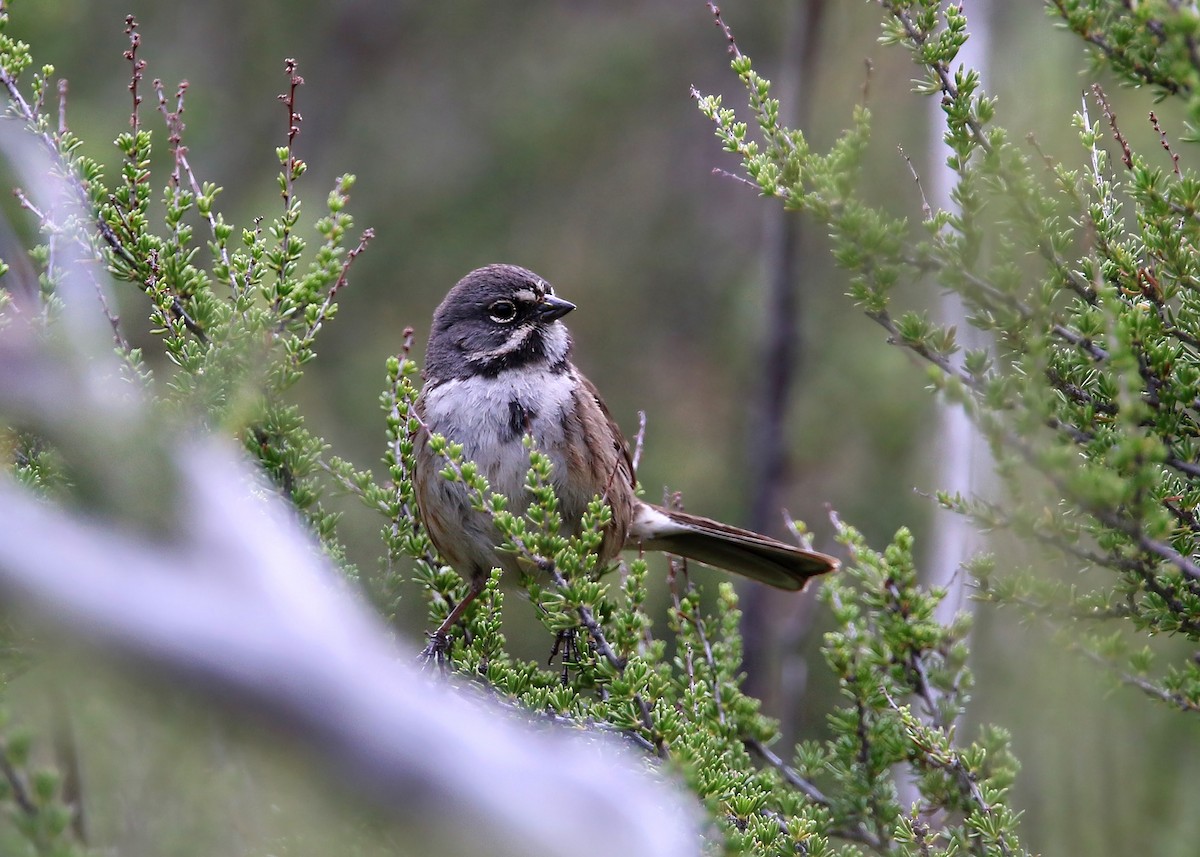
column 890, row 648
column 236, row 322
column 42, row 814
column 1150, row 44
column 233, row 321
column 678, row 695
column 235, row 317
column 1084, row 280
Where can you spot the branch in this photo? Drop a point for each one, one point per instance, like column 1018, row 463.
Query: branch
column 790, row 774
column 949, row 761
column 951, row 92
column 175, row 126
column 20, row 793
column 1178, row 700
column 1117, row 56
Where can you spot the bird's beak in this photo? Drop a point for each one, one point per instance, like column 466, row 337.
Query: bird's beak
column 552, row 308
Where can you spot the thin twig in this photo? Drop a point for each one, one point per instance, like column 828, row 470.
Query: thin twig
column 137, row 67
column 62, row 106
column 680, row 580
column 725, row 174
column 724, row 28
column 177, row 309
column 343, row 278
column 290, row 163
column 1143, row 684
column 20, row 792
column 638, row 440
column 926, row 210
column 183, row 167
column 1126, row 154
column 1162, row 138
column 790, row 774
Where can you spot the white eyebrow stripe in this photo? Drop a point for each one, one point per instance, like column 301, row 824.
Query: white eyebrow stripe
column 515, row 340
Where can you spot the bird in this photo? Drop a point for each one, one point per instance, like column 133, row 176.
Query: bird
column 498, row 368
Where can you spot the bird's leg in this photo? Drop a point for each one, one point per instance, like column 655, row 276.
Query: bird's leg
column 567, row 643
column 439, row 640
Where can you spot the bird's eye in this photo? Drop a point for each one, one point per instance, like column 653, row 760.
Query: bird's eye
column 502, row 312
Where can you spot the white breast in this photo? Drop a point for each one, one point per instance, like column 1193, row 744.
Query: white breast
column 477, row 412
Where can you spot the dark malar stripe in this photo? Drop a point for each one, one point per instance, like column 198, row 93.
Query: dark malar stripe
column 530, row 352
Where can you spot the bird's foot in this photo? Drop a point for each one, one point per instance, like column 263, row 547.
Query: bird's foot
column 566, row 644
column 436, row 650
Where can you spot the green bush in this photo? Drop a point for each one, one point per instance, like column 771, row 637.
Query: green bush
column 1082, row 279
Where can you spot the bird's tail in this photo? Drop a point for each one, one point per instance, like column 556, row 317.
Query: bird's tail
column 741, row 551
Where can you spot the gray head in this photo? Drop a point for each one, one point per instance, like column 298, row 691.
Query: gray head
column 497, row 318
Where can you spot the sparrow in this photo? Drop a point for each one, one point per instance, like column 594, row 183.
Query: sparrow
column 497, row 368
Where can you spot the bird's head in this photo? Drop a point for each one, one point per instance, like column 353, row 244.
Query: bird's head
column 497, row 318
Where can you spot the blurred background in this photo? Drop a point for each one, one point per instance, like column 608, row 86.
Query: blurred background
column 561, row 136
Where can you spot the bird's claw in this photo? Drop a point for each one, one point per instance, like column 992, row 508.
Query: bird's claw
column 436, row 650
column 566, row 643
